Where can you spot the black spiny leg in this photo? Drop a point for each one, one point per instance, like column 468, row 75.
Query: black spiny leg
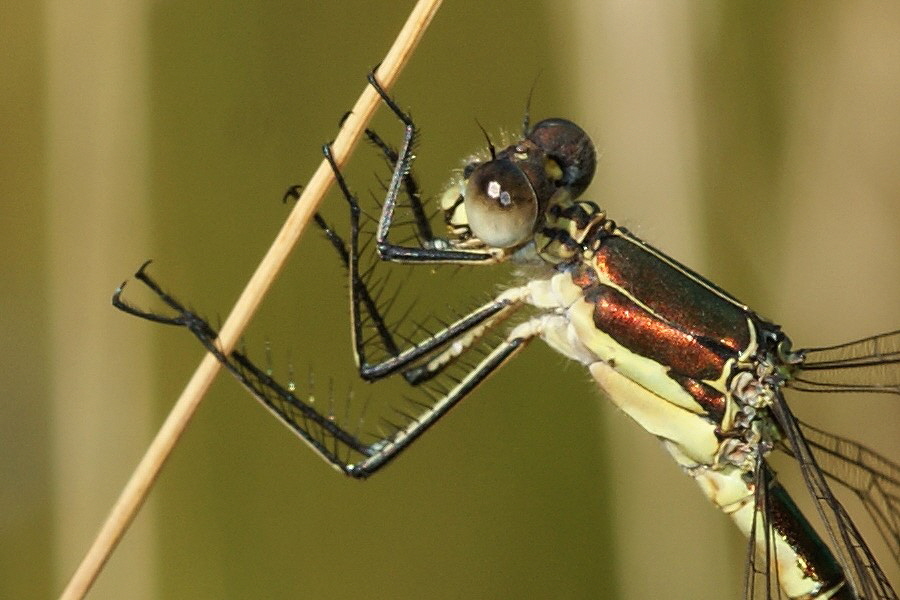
column 325, row 433
column 319, row 431
column 411, row 187
column 485, row 316
column 432, row 250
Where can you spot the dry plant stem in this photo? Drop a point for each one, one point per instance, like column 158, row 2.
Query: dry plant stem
column 135, row 491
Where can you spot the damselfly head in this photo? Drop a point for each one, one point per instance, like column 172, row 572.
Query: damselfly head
column 502, row 202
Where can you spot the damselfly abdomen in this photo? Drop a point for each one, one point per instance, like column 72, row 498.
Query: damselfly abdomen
column 691, row 364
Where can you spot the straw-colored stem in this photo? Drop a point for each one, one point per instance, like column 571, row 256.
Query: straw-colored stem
column 135, row 491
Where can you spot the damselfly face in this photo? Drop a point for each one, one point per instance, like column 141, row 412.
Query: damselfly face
column 504, row 202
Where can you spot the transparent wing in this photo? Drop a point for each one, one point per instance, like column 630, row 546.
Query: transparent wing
column 871, row 364
column 873, row 478
column 860, row 567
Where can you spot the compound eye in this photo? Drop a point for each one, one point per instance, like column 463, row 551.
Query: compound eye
column 571, row 148
column 501, row 205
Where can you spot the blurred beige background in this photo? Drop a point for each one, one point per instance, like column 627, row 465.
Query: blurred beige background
column 755, row 142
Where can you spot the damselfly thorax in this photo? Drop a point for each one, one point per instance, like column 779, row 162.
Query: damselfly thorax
column 687, row 361
column 684, row 359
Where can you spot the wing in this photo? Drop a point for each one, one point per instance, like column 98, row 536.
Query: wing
column 860, row 567
column 873, row 478
column 871, row 364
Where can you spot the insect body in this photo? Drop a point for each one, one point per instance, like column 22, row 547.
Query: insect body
column 687, row 361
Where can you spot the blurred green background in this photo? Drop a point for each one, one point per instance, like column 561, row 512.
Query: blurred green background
column 757, row 142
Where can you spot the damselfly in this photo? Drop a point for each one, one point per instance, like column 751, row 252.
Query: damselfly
column 687, row 361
